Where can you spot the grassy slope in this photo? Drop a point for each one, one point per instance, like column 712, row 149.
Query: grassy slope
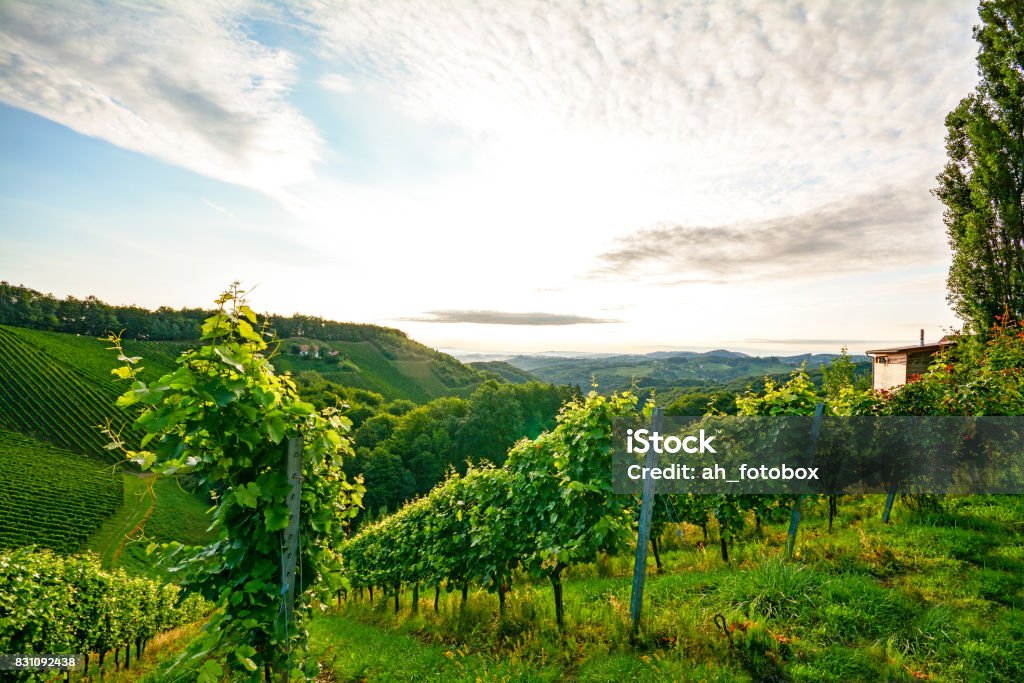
column 936, row 595
column 109, row 539
column 155, row 509
column 362, row 364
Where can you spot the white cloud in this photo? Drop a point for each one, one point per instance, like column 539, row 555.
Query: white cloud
column 336, row 83
column 177, row 81
column 892, row 229
column 730, row 108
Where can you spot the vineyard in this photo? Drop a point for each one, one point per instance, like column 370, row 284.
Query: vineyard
column 926, row 591
column 423, row 372
column 58, row 387
column 416, row 379
column 55, row 604
column 525, row 566
column 933, row 596
column 50, row 497
column 90, row 357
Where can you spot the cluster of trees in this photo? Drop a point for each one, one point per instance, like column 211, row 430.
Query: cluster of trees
column 696, row 400
column 57, row 604
column 982, row 185
column 403, row 450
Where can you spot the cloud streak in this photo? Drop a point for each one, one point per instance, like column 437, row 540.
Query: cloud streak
column 508, row 318
column 873, row 232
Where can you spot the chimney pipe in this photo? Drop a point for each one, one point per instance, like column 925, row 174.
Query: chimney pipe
column 922, row 338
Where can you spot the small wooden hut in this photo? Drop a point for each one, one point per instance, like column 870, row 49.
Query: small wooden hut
column 893, row 367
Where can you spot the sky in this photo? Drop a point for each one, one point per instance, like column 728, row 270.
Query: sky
column 506, row 176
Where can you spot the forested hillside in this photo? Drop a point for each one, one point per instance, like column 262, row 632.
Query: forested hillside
column 380, row 359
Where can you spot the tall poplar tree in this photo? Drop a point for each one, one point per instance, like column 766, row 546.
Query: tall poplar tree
column 982, row 184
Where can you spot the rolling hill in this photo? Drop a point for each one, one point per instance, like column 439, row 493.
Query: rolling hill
column 404, row 370
column 664, row 370
column 58, row 387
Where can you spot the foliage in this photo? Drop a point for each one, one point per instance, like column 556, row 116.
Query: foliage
column 54, row 604
column 225, row 416
column 564, row 488
column 405, row 456
column 982, row 184
column 716, row 399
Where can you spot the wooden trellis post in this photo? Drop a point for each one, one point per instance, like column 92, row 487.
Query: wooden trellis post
column 644, row 535
column 290, row 540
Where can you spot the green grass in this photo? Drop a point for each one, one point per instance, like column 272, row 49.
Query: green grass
column 932, row 595
column 352, row 651
column 109, row 539
column 178, row 515
column 51, row 497
column 155, row 509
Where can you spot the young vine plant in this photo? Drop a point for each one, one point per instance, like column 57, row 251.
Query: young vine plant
column 225, row 416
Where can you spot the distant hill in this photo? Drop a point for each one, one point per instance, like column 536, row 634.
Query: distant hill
column 505, row 371
column 664, row 369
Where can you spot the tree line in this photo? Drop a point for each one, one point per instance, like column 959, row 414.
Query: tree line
column 25, row 307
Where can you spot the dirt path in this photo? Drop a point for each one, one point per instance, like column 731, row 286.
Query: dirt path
column 138, row 527
column 109, row 540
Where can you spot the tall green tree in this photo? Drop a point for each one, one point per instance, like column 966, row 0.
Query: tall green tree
column 982, row 185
